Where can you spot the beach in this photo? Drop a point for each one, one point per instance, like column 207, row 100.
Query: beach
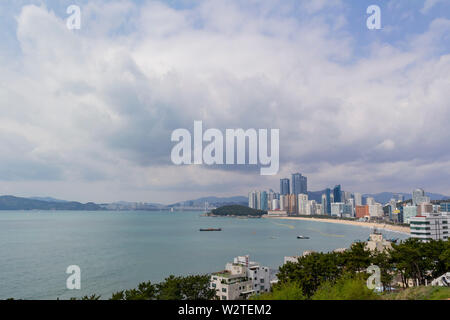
column 372, row 225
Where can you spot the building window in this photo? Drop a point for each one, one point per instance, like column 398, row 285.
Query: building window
column 224, row 289
column 213, row 285
column 262, row 280
column 224, row 298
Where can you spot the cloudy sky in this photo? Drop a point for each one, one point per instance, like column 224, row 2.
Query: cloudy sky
column 87, row 114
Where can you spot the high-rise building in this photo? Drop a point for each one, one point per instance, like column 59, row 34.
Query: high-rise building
column 376, row 210
column 299, row 184
column 370, row 201
column 346, row 196
column 418, row 197
column 328, row 196
column 311, row 208
column 358, row 199
column 324, row 204
column 424, row 208
column 302, row 204
column 252, row 199
column 362, row 211
column 275, row 204
column 258, row 200
column 337, row 193
column 292, row 204
column 264, row 201
column 284, row 187
column 409, row 212
column 337, row 209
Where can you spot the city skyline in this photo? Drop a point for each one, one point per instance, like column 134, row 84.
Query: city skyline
column 88, row 114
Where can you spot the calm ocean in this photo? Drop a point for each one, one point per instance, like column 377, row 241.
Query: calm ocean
column 118, row 250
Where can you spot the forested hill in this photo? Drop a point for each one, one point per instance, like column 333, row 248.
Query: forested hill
column 17, row 203
column 236, row 210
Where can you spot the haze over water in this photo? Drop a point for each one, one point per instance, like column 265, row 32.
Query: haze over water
column 117, row 250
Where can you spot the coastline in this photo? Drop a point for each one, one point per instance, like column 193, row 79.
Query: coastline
column 380, row 226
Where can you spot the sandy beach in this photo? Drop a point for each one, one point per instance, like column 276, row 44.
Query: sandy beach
column 372, row 225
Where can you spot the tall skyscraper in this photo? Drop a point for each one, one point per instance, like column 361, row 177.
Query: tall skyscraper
column 299, row 184
column 252, row 199
column 302, row 204
column 328, row 196
column 284, row 187
column 418, row 197
column 264, row 201
column 337, row 193
column 358, row 199
column 324, row 204
column 258, row 200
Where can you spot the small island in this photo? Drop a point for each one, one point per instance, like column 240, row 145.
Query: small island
column 236, row 211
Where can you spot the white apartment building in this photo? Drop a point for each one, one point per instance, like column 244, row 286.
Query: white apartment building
column 275, row 204
column 303, row 204
column 241, row 279
column 376, row 210
column 358, row 199
column 430, row 226
column 337, row 209
column 311, row 208
column 370, row 201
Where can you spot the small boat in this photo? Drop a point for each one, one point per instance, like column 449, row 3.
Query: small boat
column 211, row 229
column 302, row 237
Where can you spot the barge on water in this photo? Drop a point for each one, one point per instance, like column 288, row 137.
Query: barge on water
column 211, row 229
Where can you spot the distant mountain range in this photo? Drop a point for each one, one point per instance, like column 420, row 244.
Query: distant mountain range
column 16, row 203
column 212, row 201
column 49, row 203
column 382, row 197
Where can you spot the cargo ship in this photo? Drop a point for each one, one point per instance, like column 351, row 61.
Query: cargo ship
column 302, row 237
column 211, row 229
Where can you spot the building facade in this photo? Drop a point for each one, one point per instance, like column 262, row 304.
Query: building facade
column 284, row 187
column 433, row 226
column 241, row 279
column 299, row 184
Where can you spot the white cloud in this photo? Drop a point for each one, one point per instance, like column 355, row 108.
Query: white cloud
column 429, row 4
column 98, row 105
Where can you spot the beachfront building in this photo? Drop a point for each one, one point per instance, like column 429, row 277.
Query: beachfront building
column 408, row 213
column 302, row 204
column 337, row 209
column 375, row 210
column 430, row 226
column 292, row 204
column 241, row 279
column 358, row 199
column 362, row 211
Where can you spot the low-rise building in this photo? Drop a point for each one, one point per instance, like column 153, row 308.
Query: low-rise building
column 241, row 279
column 430, row 226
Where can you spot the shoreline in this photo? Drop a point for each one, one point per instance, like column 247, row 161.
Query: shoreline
column 380, row 226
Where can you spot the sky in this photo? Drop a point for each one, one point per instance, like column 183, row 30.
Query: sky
column 87, row 114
